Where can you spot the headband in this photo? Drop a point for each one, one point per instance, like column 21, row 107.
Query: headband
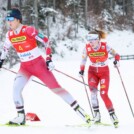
column 92, row 37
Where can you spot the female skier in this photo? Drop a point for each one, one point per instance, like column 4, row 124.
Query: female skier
column 23, row 39
column 97, row 51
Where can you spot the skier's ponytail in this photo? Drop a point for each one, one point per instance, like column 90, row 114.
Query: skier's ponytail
column 101, row 33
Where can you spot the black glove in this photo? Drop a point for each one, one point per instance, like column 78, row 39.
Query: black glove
column 50, row 65
column 1, row 63
column 81, row 73
column 116, row 63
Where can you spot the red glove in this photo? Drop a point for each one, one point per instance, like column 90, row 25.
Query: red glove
column 117, row 57
column 82, row 67
column 81, row 72
column 116, row 61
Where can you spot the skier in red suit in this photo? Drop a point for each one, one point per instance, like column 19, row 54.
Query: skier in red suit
column 98, row 73
column 24, row 39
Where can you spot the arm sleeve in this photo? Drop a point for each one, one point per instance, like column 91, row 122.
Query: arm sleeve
column 83, row 60
column 33, row 33
column 113, row 53
column 47, row 45
column 6, row 46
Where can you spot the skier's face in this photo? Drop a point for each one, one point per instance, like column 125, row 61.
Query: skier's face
column 94, row 43
column 13, row 24
column 93, row 39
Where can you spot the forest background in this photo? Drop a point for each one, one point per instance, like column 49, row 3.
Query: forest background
column 63, row 20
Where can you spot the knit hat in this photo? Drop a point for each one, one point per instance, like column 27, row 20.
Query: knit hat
column 14, row 13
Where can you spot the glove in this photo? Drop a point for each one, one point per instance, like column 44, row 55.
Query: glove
column 116, row 63
column 117, row 57
column 81, row 73
column 1, row 63
column 50, row 65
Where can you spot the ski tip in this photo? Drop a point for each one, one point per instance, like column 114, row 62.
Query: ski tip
column 116, row 126
column 87, row 125
column 11, row 125
column 102, row 124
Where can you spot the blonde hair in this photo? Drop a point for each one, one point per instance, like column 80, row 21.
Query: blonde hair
column 101, row 33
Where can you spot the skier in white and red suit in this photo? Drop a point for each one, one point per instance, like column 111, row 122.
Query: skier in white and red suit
column 98, row 73
column 23, row 39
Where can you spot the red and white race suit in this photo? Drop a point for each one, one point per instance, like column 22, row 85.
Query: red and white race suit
column 98, row 72
column 23, row 40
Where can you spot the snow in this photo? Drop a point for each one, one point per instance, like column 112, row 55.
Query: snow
column 55, row 113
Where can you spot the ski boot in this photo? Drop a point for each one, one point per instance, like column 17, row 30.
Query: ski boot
column 19, row 120
column 81, row 113
column 97, row 117
column 114, row 118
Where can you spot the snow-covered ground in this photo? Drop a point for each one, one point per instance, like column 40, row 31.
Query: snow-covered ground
column 55, row 113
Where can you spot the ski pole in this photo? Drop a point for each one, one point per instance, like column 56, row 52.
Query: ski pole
column 125, row 91
column 16, row 73
column 87, row 96
column 70, row 77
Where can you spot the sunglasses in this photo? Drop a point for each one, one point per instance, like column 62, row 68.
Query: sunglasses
column 9, row 18
column 92, row 37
